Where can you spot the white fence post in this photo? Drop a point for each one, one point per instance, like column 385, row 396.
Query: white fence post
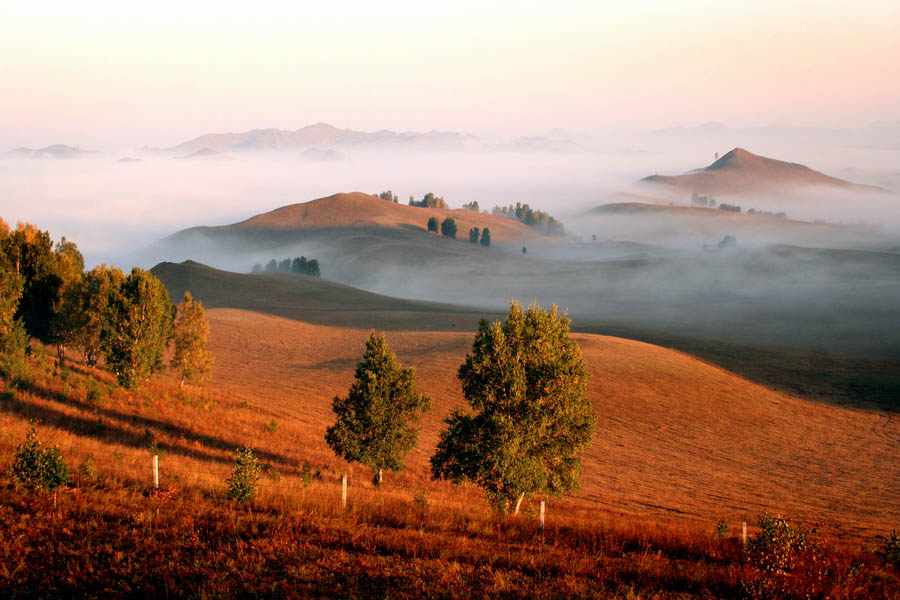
column 344, row 491
column 542, row 516
column 744, row 533
column 156, row 471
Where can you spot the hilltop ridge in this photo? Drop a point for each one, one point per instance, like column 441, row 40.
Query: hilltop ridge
column 740, row 171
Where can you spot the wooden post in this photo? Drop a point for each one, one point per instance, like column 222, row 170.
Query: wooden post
column 744, row 533
column 542, row 516
column 344, row 491
column 156, row 471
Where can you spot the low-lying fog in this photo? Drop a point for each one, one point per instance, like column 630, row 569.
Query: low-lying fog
column 113, row 209
column 661, row 270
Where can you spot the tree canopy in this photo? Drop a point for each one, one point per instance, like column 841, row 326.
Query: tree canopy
column 448, row 228
column 525, row 380
column 142, row 316
column 376, row 421
column 433, row 224
column 192, row 358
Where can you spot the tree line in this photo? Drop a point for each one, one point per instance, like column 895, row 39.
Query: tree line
column 124, row 322
column 448, row 229
column 533, row 218
column 529, row 418
column 300, row 265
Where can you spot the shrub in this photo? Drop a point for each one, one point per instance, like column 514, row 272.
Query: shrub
column 35, row 466
column 891, row 550
column 474, row 234
column 243, row 484
column 721, row 529
column 433, row 224
column 448, row 228
column 779, row 546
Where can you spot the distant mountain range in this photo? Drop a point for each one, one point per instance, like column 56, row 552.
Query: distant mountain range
column 740, row 171
column 56, row 151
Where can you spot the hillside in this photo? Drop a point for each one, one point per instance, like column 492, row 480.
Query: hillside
column 56, row 151
column 740, row 171
column 307, row 298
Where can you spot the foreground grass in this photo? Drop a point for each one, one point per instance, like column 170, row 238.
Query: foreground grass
column 110, row 534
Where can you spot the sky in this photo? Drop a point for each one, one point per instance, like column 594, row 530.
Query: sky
column 118, row 76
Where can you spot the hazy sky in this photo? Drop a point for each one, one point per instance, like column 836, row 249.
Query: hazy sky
column 109, row 76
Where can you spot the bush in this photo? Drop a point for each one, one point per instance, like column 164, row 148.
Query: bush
column 779, row 546
column 433, row 224
column 474, row 234
column 448, row 228
column 891, row 550
column 243, row 484
column 35, row 466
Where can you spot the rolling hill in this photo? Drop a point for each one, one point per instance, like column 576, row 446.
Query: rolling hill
column 678, row 438
column 740, row 171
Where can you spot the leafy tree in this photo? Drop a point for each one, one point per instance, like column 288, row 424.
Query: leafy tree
column 486, row 237
column 243, row 485
column 433, row 224
column 257, row 268
column 473, row 235
column 35, row 466
column 90, row 304
column 389, row 196
column 285, row 266
column 473, row 206
column 376, row 421
column 312, row 268
column 191, row 330
column 448, row 228
column 525, row 380
column 524, row 250
column 272, row 266
column 429, row 201
column 142, row 316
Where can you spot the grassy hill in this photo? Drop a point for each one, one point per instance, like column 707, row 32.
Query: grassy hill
column 740, row 171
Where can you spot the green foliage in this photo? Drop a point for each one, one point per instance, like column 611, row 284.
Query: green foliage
column 721, row 529
column 299, row 265
column 142, row 326
column 730, row 207
column 376, row 421
column 243, row 485
column 473, row 206
column 526, row 381
column 779, row 546
column 87, row 469
column 191, row 329
column 36, row 466
column 272, row 266
column 89, row 304
column 389, row 196
column 473, row 235
column 448, row 228
column 533, row 218
column 890, row 552
column 485, row 237
column 433, row 224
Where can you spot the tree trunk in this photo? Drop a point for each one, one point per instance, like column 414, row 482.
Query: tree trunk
column 181, row 385
column 380, row 476
column 519, row 503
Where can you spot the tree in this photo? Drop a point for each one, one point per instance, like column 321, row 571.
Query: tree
column 448, row 228
column 141, row 317
column 525, row 380
column 191, row 330
column 35, row 466
column 486, row 237
column 10, row 288
column 272, row 266
column 524, row 250
column 376, row 421
column 257, row 268
column 243, row 485
column 433, row 224
column 285, row 266
column 473, row 235
column 90, row 302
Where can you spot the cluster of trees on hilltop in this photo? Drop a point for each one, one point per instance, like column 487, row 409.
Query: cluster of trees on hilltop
column 389, row 196
column 473, row 206
column 767, row 213
column 533, row 218
column 125, row 321
column 300, row 265
column 730, row 207
column 525, row 381
column 482, row 236
column 428, row 201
